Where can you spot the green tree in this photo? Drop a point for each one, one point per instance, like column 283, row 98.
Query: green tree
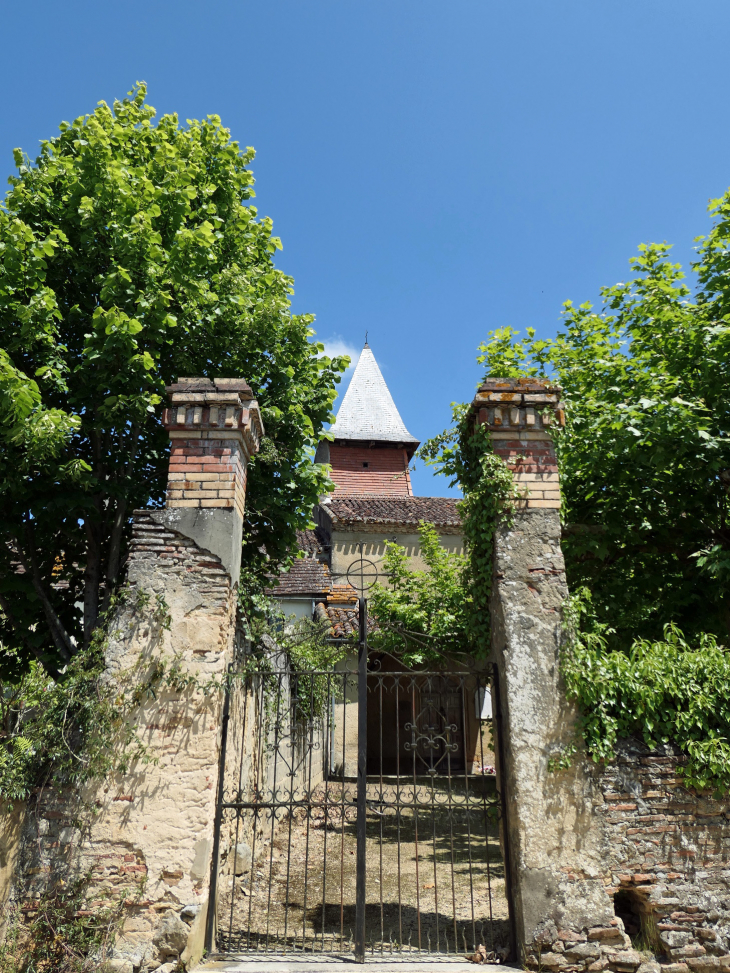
column 645, row 454
column 129, row 256
column 422, row 616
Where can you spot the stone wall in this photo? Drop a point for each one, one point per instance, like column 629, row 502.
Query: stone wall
column 662, row 854
column 612, row 867
column 142, row 840
column 146, row 837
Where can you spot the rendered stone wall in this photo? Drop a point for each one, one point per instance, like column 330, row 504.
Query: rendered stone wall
column 346, row 546
column 142, row 841
column 146, row 837
column 596, row 852
column 549, row 824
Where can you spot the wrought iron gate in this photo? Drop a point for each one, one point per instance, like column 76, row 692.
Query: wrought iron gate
column 358, row 812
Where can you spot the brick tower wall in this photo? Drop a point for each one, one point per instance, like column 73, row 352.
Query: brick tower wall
column 386, row 471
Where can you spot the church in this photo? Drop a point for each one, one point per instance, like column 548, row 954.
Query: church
column 369, row 455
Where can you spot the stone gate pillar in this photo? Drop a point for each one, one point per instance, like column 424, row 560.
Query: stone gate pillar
column 555, row 875
column 148, row 843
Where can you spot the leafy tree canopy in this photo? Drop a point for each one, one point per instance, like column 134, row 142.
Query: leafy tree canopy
column 422, row 616
column 645, row 454
column 129, row 256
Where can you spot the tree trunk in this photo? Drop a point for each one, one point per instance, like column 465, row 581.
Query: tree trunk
column 115, row 541
column 59, row 634
column 92, row 577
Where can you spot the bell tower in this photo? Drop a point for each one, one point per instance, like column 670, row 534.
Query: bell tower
column 372, row 448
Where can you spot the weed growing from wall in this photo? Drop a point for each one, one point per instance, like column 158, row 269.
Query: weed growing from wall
column 61, row 934
column 67, row 731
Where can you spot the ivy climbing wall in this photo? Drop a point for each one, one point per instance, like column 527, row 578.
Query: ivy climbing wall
column 612, row 867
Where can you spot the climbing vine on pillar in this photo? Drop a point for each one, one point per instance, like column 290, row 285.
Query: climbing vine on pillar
column 465, row 454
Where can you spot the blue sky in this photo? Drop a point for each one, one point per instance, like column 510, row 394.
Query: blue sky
column 435, row 170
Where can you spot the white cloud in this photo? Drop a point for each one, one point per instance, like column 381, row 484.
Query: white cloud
column 336, row 345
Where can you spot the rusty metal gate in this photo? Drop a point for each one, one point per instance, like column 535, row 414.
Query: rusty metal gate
column 358, row 812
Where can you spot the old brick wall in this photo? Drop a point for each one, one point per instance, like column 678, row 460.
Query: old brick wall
column 664, row 867
column 361, row 469
column 668, row 854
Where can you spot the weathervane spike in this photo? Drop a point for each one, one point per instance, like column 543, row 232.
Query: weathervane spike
column 366, row 339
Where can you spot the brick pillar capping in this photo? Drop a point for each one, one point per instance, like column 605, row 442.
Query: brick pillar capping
column 215, row 427
column 520, row 413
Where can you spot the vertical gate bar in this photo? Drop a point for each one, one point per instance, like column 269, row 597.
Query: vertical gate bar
column 343, row 806
column 292, row 716
column 452, row 802
column 329, row 735
column 398, row 805
column 259, row 683
column 241, row 758
column 435, row 863
column 362, row 760
column 414, row 736
column 486, row 804
column 467, row 799
column 210, row 925
column 309, row 801
column 504, row 809
column 433, row 802
column 275, row 803
column 381, row 805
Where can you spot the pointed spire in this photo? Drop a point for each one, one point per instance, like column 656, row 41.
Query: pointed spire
column 368, row 410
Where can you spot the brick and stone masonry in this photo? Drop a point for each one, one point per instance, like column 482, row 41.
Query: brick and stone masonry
column 597, row 852
column 149, row 841
column 211, row 432
column 520, row 415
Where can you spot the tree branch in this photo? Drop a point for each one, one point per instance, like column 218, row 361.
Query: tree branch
column 115, row 541
column 50, row 669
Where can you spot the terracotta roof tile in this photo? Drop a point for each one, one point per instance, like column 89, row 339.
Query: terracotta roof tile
column 344, row 619
column 310, row 541
column 441, row 511
column 305, row 577
column 342, row 593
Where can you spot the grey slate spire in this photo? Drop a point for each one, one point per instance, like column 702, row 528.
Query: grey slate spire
column 368, row 411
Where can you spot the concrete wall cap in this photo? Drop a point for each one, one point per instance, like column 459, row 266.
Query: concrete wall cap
column 208, row 384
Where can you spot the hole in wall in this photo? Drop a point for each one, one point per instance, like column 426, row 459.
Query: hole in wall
column 627, row 906
column 638, row 919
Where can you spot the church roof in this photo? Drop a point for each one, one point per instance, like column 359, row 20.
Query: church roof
column 368, row 411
